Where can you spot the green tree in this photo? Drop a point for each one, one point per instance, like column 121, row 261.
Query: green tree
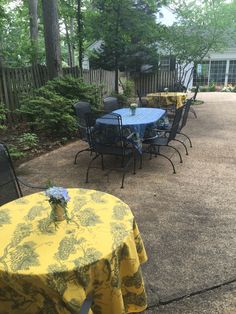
column 201, row 27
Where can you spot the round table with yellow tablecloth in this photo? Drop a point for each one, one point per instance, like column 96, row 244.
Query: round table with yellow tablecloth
column 50, row 269
column 166, row 99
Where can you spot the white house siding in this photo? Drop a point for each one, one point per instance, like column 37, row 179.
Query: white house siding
column 217, row 67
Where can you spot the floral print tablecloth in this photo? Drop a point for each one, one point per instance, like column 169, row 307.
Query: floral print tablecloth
column 44, row 269
column 166, row 99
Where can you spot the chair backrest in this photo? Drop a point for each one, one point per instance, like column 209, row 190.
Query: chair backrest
column 81, row 109
column 175, row 124
column 185, row 114
column 107, row 132
column 110, row 104
column 9, row 185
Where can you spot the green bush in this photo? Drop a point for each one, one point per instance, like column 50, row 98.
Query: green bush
column 128, row 89
column 212, row 87
column 28, row 140
column 3, row 112
column 15, row 153
column 122, row 99
column 49, row 109
column 203, row 88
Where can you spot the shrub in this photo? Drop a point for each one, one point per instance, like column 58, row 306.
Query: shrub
column 50, row 113
column 3, row 112
column 28, row 140
column 49, row 108
column 228, row 88
column 128, row 88
column 122, row 99
column 15, row 153
column 203, row 88
column 75, row 89
column 212, row 87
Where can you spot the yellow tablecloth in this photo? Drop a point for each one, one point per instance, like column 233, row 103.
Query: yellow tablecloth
column 44, row 269
column 166, row 99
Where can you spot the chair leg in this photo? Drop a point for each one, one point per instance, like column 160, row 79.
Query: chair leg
column 173, row 167
column 190, row 142
column 141, row 162
column 81, row 151
column 193, row 111
column 180, row 157
column 90, row 163
column 124, row 173
column 134, row 165
column 186, row 150
column 102, row 162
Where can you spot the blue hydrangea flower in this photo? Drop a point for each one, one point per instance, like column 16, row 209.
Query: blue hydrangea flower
column 57, row 194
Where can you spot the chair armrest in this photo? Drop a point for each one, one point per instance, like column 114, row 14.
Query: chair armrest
column 29, row 185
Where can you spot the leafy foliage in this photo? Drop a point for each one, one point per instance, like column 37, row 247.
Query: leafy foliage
column 50, row 110
column 200, row 27
column 28, row 140
column 129, row 34
column 3, row 112
column 128, row 88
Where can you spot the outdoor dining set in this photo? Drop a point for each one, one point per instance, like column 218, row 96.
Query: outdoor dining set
column 130, row 132
column 89, row 258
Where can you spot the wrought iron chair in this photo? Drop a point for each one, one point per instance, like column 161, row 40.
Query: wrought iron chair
column 187, row 108
column 81, row 109
column 157, row 142
column 183, row 122
column 110, row 104
column 193, row 99
column 9, row 183
column 107, row 138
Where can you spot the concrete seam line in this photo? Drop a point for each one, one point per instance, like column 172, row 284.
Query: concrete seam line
column 191, row 294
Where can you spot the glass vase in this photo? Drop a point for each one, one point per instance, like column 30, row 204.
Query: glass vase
column 58, row 212
column 133, row 111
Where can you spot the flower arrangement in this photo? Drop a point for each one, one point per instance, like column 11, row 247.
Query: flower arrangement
column 58, row 199
column 133, row 107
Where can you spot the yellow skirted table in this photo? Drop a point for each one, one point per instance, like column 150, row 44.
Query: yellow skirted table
column 48, row 269
column 166, row 99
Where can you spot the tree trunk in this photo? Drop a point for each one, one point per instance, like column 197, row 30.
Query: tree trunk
column 33, row 16
column 116, row 76
column 80, row 34
column 52, row 38
column 69, row 45
column 72, row 41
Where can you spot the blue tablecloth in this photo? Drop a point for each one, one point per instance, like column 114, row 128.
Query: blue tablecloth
column 144, row 119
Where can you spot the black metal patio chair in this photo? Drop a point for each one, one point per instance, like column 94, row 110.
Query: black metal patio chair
column 155, row 143
column 81, row 109
column 183, row 122
column 187, row 108
column 107, row 138
column 110, row 104
column 10, row 188
column 193, row 99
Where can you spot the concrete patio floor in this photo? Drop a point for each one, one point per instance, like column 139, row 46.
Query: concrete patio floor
column 187, row 220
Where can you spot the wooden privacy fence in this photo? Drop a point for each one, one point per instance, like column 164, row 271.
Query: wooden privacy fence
column 152, row 82
column 16, row 81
